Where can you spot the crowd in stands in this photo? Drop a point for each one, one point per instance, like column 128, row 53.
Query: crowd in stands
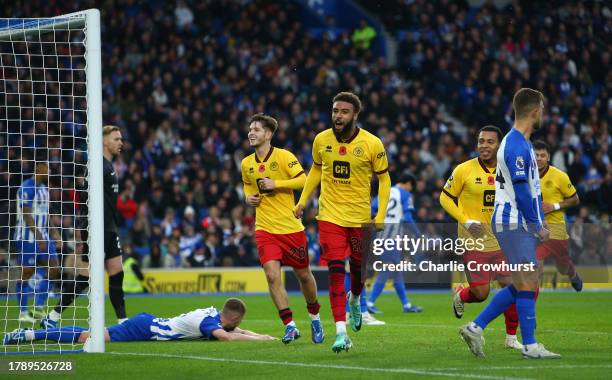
column 181, row 78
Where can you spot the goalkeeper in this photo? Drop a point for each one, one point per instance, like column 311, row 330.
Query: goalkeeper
column 113, row 144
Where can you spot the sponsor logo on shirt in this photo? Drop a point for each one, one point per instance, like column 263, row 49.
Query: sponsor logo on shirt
column 342, row 169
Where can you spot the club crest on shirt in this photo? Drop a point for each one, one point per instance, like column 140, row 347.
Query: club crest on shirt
column 490, row 180
column 262, row 168
column 520, row 162
column 342, row 150
column 274, row 166
column 358, row 151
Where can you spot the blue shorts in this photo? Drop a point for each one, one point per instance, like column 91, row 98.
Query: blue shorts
column 31, row 253
column 137, row 328
column 391, row 257
column 518, row 246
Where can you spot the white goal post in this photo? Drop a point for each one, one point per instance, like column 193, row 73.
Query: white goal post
column 36, row 32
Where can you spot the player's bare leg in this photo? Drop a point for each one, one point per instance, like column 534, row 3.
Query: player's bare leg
column 272, row 269
column 309, row 289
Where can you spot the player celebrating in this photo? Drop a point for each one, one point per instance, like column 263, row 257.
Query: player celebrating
column 517, row 218
column 344, row 159
column 399, row 210
column 113, row 143
column 468, row 196
column 206, row 323
column 32, row 238
column 269, row 176
column 558, row 193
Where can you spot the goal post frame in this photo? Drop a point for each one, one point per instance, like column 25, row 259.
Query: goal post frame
column 93, row 70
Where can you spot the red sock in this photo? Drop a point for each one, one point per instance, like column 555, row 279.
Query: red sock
column 356, row 284
column 466, row 295
column 512, row 320
column 313, row 308
column 286, row 315
column 337, row 293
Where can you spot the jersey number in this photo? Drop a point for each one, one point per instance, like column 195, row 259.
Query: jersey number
column 392, row 205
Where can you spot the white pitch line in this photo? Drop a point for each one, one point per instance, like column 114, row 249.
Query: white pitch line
column 561, row 366
column 428, row 372
column 457, row 327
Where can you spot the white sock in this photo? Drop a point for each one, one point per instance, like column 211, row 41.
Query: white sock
column 340, row 327
column 314, row 317
column 29, row 335
column 292, row 323
column 531, row 346
column 354, row 299
column 54, row 315
column 508, row 336
column 121, row 320
column 370, row 304
column 475, row 327
column 365, row 314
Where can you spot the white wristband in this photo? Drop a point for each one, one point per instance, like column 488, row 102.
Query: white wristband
column 557, row 206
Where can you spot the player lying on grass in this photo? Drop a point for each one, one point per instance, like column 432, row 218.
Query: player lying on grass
column 206, row 323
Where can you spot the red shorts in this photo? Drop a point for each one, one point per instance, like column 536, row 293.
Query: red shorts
column 338, row 243
column 289, row 249
column 555, row 248
column 483, row 276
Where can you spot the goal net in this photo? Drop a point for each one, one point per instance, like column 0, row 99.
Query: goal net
column 50, row 173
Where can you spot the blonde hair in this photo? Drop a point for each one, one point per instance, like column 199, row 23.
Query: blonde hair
column 108, row 129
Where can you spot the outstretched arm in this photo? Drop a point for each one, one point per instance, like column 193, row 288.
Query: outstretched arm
column 223, row 335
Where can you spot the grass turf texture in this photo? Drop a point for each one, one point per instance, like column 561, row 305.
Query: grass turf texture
column 427, row 345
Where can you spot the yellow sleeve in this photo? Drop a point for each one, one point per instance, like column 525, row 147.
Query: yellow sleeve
column 312, row 181
column 454, row 183
column 294, row 183
column 384, row 191
column 448, row 197
column 452, row 208
column 248, row 187
column 379, row 159
column 291, row 165
column 316, row 154
column 565, row 186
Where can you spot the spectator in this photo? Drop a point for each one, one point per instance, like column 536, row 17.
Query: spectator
column 363, row 36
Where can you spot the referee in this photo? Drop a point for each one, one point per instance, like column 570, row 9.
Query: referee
column 113, row 262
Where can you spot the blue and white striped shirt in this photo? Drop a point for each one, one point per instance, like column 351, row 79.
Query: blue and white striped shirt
column 399, row 210
column 518, row 199
column 35, row 196
column 199, row 323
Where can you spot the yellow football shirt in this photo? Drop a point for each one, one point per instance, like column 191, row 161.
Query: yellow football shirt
column 275, row 212
column 346, row 175
column 556, row 186
column 472, row 184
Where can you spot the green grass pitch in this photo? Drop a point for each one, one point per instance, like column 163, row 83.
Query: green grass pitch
column 427, row 345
